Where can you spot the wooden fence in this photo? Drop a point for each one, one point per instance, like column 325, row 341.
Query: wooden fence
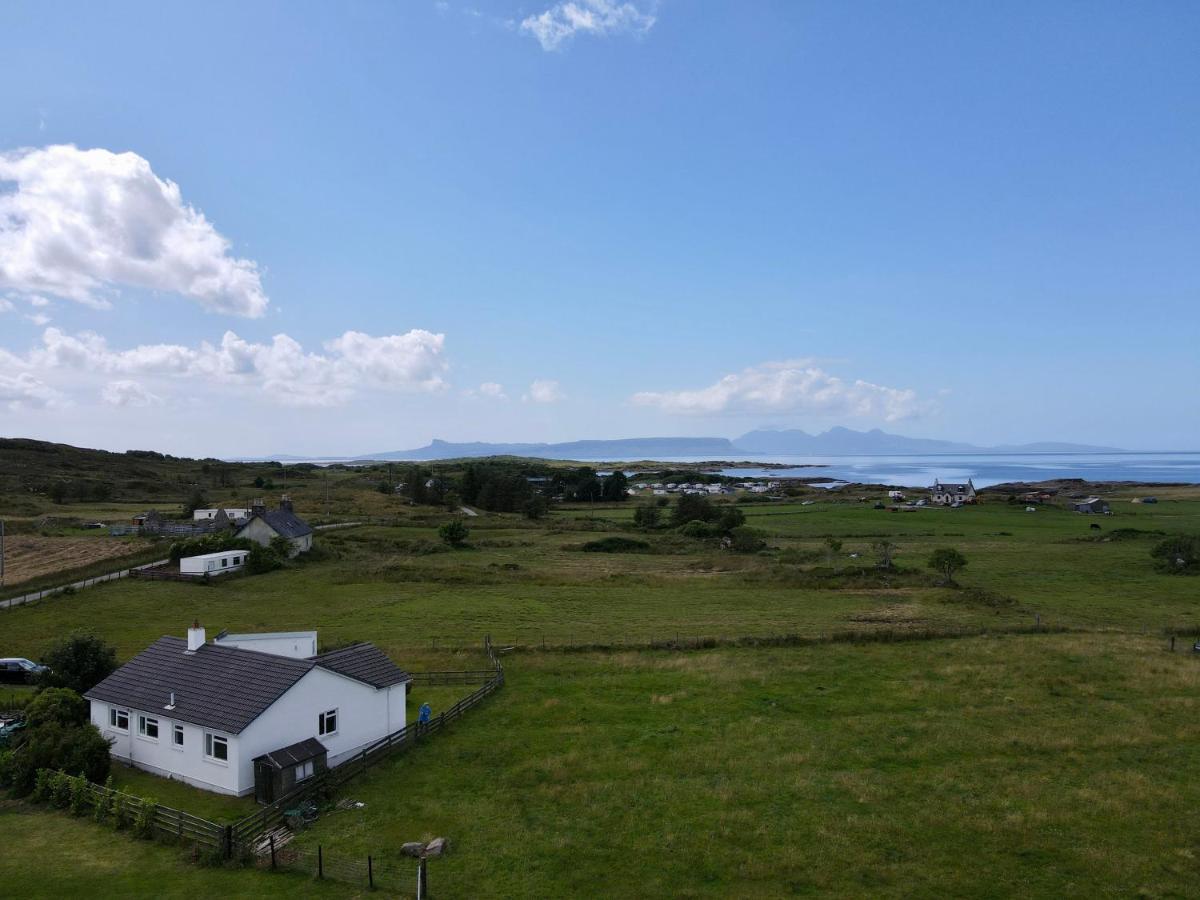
column 248, row 833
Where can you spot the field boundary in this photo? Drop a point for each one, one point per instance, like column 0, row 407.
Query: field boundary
column 34, row 596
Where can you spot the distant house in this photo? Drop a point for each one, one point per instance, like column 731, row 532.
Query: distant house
column 207, row 515
column 895, row 495
column 233, row 720
column 264, row 525
column 1091, row 505
column 946, row 493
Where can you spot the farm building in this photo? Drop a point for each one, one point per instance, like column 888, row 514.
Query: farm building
column 207, row 515
column 264, row 525
column 1091, row 505
column 213, row 563
column 218, row 716
column 945, row 493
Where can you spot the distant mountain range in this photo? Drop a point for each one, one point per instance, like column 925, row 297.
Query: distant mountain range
column 834, row 442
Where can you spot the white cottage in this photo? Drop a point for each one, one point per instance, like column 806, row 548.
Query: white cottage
column 205, row 712
column 945, row 493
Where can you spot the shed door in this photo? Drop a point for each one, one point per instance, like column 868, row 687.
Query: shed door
column 264, row 782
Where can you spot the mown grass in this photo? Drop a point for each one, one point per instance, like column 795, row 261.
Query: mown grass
column 1050, row 765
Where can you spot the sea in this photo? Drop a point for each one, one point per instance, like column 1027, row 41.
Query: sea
column 984, row 469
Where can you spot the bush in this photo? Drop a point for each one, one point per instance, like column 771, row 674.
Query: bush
column 947, row 560
column 745, row 540
column 690, row 507
column 454, row 533
column 143, row 822
column 104, row 803
column 1179, row 555
column 79, row 662
column 59, row 705
column 210, row 543
column 80, row 795
column 647, row 516
column 57, row 745
column 616, row 545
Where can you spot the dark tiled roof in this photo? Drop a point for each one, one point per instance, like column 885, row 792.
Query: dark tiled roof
column 364, row 662
column 223, row 688
column 310, row 748
column 283, row 522
column 957, row 486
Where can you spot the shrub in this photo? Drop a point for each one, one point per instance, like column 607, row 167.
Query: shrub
column 454, row 533
column 58, row 747
column 730, row 518
column 692, row 506
column 43, row 784
column 79, row 661
column 79, row 795
column 616, row 545
column 104, row 802
column 647, row 516
column 1179, row 555
column 60, row 789
column 947, row 560
column 143, row 822
column 697, row 529
column 745, row 540
column 59, row 705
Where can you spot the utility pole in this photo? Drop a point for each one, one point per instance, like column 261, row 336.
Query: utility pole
column 1, row 553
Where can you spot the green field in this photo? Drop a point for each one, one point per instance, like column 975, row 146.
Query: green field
column 1045, row 764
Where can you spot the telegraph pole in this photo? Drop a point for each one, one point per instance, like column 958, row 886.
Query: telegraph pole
column 1, row 554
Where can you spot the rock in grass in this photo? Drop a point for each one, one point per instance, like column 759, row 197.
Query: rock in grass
column 437, row 847
column 412, row 848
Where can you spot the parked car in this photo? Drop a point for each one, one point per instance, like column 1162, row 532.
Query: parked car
column 15, row 670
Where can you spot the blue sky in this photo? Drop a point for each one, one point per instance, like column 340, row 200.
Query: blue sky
column 548, row 221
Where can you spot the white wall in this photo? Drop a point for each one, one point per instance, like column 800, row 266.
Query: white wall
column 364, row 716
column 211, row 562
column 297, row 646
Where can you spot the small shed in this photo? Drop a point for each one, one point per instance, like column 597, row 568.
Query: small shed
column 213, row 563
column 277, row 774
column 1091, row 505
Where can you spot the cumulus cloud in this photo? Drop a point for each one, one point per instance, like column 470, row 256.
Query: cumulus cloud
column 795, row 386
column 562, row 21
column 80, row 223
column 282, row 368
column 544, row 390
column 128, row 393
column 489, row 390
column 24, row 391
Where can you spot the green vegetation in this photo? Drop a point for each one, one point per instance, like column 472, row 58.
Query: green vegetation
column 79, row 662
column 824, row 744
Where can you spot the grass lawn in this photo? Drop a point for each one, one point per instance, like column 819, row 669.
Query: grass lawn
column 1048, row 765
column 47, row 853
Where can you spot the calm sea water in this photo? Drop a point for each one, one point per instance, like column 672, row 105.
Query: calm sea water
column 985, row 469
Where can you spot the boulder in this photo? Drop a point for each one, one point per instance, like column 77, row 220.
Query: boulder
column 412, row 848
column 437, row 847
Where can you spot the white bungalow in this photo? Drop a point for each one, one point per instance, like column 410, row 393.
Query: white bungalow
column 226, row 718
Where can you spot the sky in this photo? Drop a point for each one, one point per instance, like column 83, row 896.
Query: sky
column 237, row 229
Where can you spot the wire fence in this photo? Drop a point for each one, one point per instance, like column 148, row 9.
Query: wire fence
column 390, row 871
column 79, row 585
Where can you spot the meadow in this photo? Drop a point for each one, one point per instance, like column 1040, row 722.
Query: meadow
column 981, row 765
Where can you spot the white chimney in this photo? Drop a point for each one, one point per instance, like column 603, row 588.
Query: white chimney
column 195, row 637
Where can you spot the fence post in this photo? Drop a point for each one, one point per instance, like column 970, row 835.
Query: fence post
column 271, row 838
column 320, row 862
column 370, row 872
column 227, row 841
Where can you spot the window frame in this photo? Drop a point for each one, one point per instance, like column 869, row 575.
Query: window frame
column 211, row 740
column 303, row 771
column 115, row 713
column 323, row 719
column 144, row 724
column 177, row 737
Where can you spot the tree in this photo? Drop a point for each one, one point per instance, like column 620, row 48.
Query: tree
column 454, row 533
column 745, row 540
column 536, row 506
column 258, row 482
column 947, row 560
column 885, row 550
column 1179, row 555
column 615, row 487
column 647, row 516
column 57, row 739
column 832, row 548
column 730, row 518
column 79, row 661
column 197, row 499
column 58, row 491
column 691, row 508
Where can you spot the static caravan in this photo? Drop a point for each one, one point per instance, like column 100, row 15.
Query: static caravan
column 213, row 563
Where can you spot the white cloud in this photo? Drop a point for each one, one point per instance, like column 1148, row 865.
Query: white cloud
column 81, row 223
column 23, row 391
column 283, row 369
column 544, row 390
column 493, row 390
column 38, row 319
column 561, row 22
column 6, row 305
column 128, row 393
column 795, row 386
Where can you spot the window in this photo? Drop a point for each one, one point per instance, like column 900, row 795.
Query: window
column 177, row 737
column 118, row 718
column 304, row 770
column 327, row 722
column 224, row 563
column 148, row 727
column 216, row 747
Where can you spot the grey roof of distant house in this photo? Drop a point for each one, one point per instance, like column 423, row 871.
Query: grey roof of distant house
column 365, row 662
column 223, row 688
column 958, row 486
column 226, row 688
column 302, row 751
column 283, row 522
